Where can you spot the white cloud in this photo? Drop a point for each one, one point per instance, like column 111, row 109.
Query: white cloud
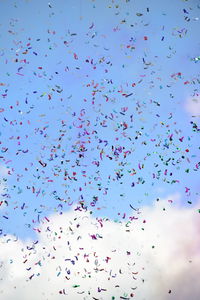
column 3, row 171
column 192, row 105
column 158, row 252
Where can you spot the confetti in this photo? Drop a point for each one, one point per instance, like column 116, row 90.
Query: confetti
column 99, row 149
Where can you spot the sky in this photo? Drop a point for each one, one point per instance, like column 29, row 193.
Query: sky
column 99, row 113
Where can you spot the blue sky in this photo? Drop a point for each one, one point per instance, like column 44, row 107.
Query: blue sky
column 93, row 92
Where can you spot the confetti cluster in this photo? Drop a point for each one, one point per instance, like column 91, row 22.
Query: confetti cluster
column 99, row 114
